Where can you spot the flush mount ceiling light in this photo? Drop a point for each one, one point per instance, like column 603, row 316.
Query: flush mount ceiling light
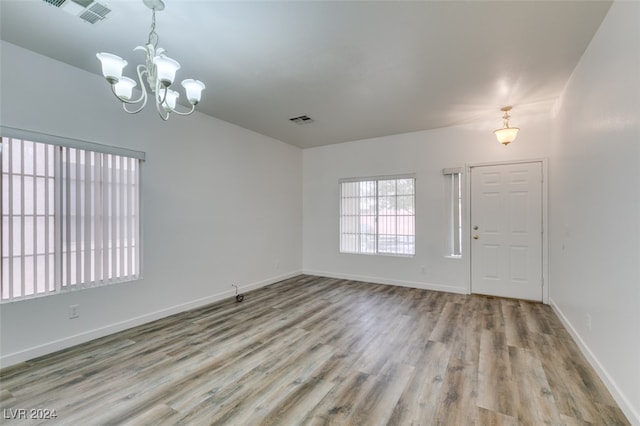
column 160, row 71
column 507, row 134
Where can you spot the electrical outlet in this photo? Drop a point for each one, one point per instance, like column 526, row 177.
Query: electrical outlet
column 73, row 311
column 423, row 269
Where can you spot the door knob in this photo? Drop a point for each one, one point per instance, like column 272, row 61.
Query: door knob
column 475, row 237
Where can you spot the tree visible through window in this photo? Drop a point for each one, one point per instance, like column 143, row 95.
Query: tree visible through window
column 377, row 216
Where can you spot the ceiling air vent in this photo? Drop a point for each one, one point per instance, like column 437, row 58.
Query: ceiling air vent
column 56, row 3
column 303, row 119
column 88, row 10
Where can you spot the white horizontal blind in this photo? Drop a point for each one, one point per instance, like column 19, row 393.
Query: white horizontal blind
column 70, row 218
column 377, row 215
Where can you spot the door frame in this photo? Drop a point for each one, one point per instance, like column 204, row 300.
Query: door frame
column 466, row 229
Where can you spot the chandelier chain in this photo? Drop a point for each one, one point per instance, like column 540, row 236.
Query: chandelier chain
column 153, row 36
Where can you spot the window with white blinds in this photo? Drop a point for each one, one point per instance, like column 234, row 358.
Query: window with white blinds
column 377, row 216
column 70, row 218
column 453, row 191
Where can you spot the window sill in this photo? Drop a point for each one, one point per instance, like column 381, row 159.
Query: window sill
column 453, row 257
column 380, row 254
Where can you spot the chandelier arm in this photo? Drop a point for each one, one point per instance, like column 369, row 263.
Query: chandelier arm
column 164, row 117
column 164, row 95
column 124, row 107
column 159, row 107
column 193, row 107
column 144, row 103
column 126, row 102
column 141, row 70
column 143, row 96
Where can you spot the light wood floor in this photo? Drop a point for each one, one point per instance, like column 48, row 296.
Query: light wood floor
column 314, row 350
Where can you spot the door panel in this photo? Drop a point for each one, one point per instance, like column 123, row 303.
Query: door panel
column 506, row 229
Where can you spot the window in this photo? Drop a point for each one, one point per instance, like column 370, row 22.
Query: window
column 70, row 217
column 377, row 216
column 453, row 194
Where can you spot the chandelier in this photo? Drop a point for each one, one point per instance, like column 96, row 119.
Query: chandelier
column 507, row 134
column 160, row 71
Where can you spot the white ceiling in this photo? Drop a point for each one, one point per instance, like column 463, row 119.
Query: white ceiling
column 360, row 69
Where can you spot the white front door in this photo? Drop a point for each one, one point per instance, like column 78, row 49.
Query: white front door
column 506, row 230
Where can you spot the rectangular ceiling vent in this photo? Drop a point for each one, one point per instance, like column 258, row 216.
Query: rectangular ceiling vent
column 303, row 119
column 88, row 10
column 56, row 3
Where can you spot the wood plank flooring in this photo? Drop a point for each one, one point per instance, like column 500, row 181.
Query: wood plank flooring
column 315, row 351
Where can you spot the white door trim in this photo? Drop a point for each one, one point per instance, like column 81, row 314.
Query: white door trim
column 466, row 234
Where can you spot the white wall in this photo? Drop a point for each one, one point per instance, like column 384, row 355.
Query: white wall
column 595, row 204
column 206, row 179
column 222, row 205
column 425, row 154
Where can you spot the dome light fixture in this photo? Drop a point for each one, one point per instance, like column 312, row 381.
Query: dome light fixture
column 160, row 71
column 507, row 134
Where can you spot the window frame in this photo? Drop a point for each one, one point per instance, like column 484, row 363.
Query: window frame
column 128, row 180
column 376, row 234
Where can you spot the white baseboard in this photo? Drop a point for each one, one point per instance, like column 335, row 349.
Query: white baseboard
column 623, row 402
column 56, row 345
column 378, row 280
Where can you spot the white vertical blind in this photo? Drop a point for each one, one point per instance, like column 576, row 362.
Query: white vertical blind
column 454, row 209
column 27, row 231
column 69, row 218
column 456, row 192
